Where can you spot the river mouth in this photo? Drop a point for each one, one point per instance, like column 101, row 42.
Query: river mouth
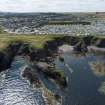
column 84, row 81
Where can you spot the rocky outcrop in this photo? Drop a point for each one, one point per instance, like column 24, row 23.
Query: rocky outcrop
column 7, row 55
column 50, row 71
column 5, row 61
column 50, row 48
column 42, row 66
column 31, row 76
column 48, row 53
column 87, row 40
column 71, row 40
column 81, row 43
column 80, row 47
column 24, row 49
column 99, row 42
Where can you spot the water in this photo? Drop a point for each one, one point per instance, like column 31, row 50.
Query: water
column 83, row 84
column 14, row 90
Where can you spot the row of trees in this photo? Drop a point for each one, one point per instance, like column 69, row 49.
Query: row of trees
column 69, row 23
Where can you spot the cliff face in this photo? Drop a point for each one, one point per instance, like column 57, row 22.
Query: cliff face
column 7, row 55
column 99, row 42
column 47, row 54
column 49, row 49
column 5, row 61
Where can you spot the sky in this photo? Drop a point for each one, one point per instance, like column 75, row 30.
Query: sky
column 52, row 5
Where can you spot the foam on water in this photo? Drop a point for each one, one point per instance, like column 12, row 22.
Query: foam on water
column 16, row 91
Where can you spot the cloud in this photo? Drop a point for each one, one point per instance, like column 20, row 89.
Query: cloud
column 51, row 5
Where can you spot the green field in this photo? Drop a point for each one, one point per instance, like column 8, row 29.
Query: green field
column 36, row 41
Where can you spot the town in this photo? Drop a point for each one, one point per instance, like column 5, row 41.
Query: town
column 41, row 23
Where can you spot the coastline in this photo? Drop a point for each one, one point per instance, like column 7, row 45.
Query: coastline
column 47, row 55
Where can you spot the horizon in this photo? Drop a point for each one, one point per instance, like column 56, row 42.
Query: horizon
column 46, row 6
column 50, row 12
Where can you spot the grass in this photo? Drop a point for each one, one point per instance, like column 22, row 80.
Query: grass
column 36, row 41
column 102, row 88
column 1, row 29
column 60, row 72
column 100, row 36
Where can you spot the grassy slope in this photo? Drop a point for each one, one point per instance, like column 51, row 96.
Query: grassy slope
column 34, row 40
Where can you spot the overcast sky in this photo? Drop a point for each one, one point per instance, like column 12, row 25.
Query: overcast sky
column 52, row 5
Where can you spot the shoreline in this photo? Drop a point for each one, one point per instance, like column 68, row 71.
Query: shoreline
column 45, row 56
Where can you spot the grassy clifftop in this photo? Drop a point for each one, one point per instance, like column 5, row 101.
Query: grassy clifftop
column 35, row 41
column 1, row 30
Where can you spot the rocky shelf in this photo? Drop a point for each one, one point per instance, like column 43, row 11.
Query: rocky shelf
column 45, row 56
